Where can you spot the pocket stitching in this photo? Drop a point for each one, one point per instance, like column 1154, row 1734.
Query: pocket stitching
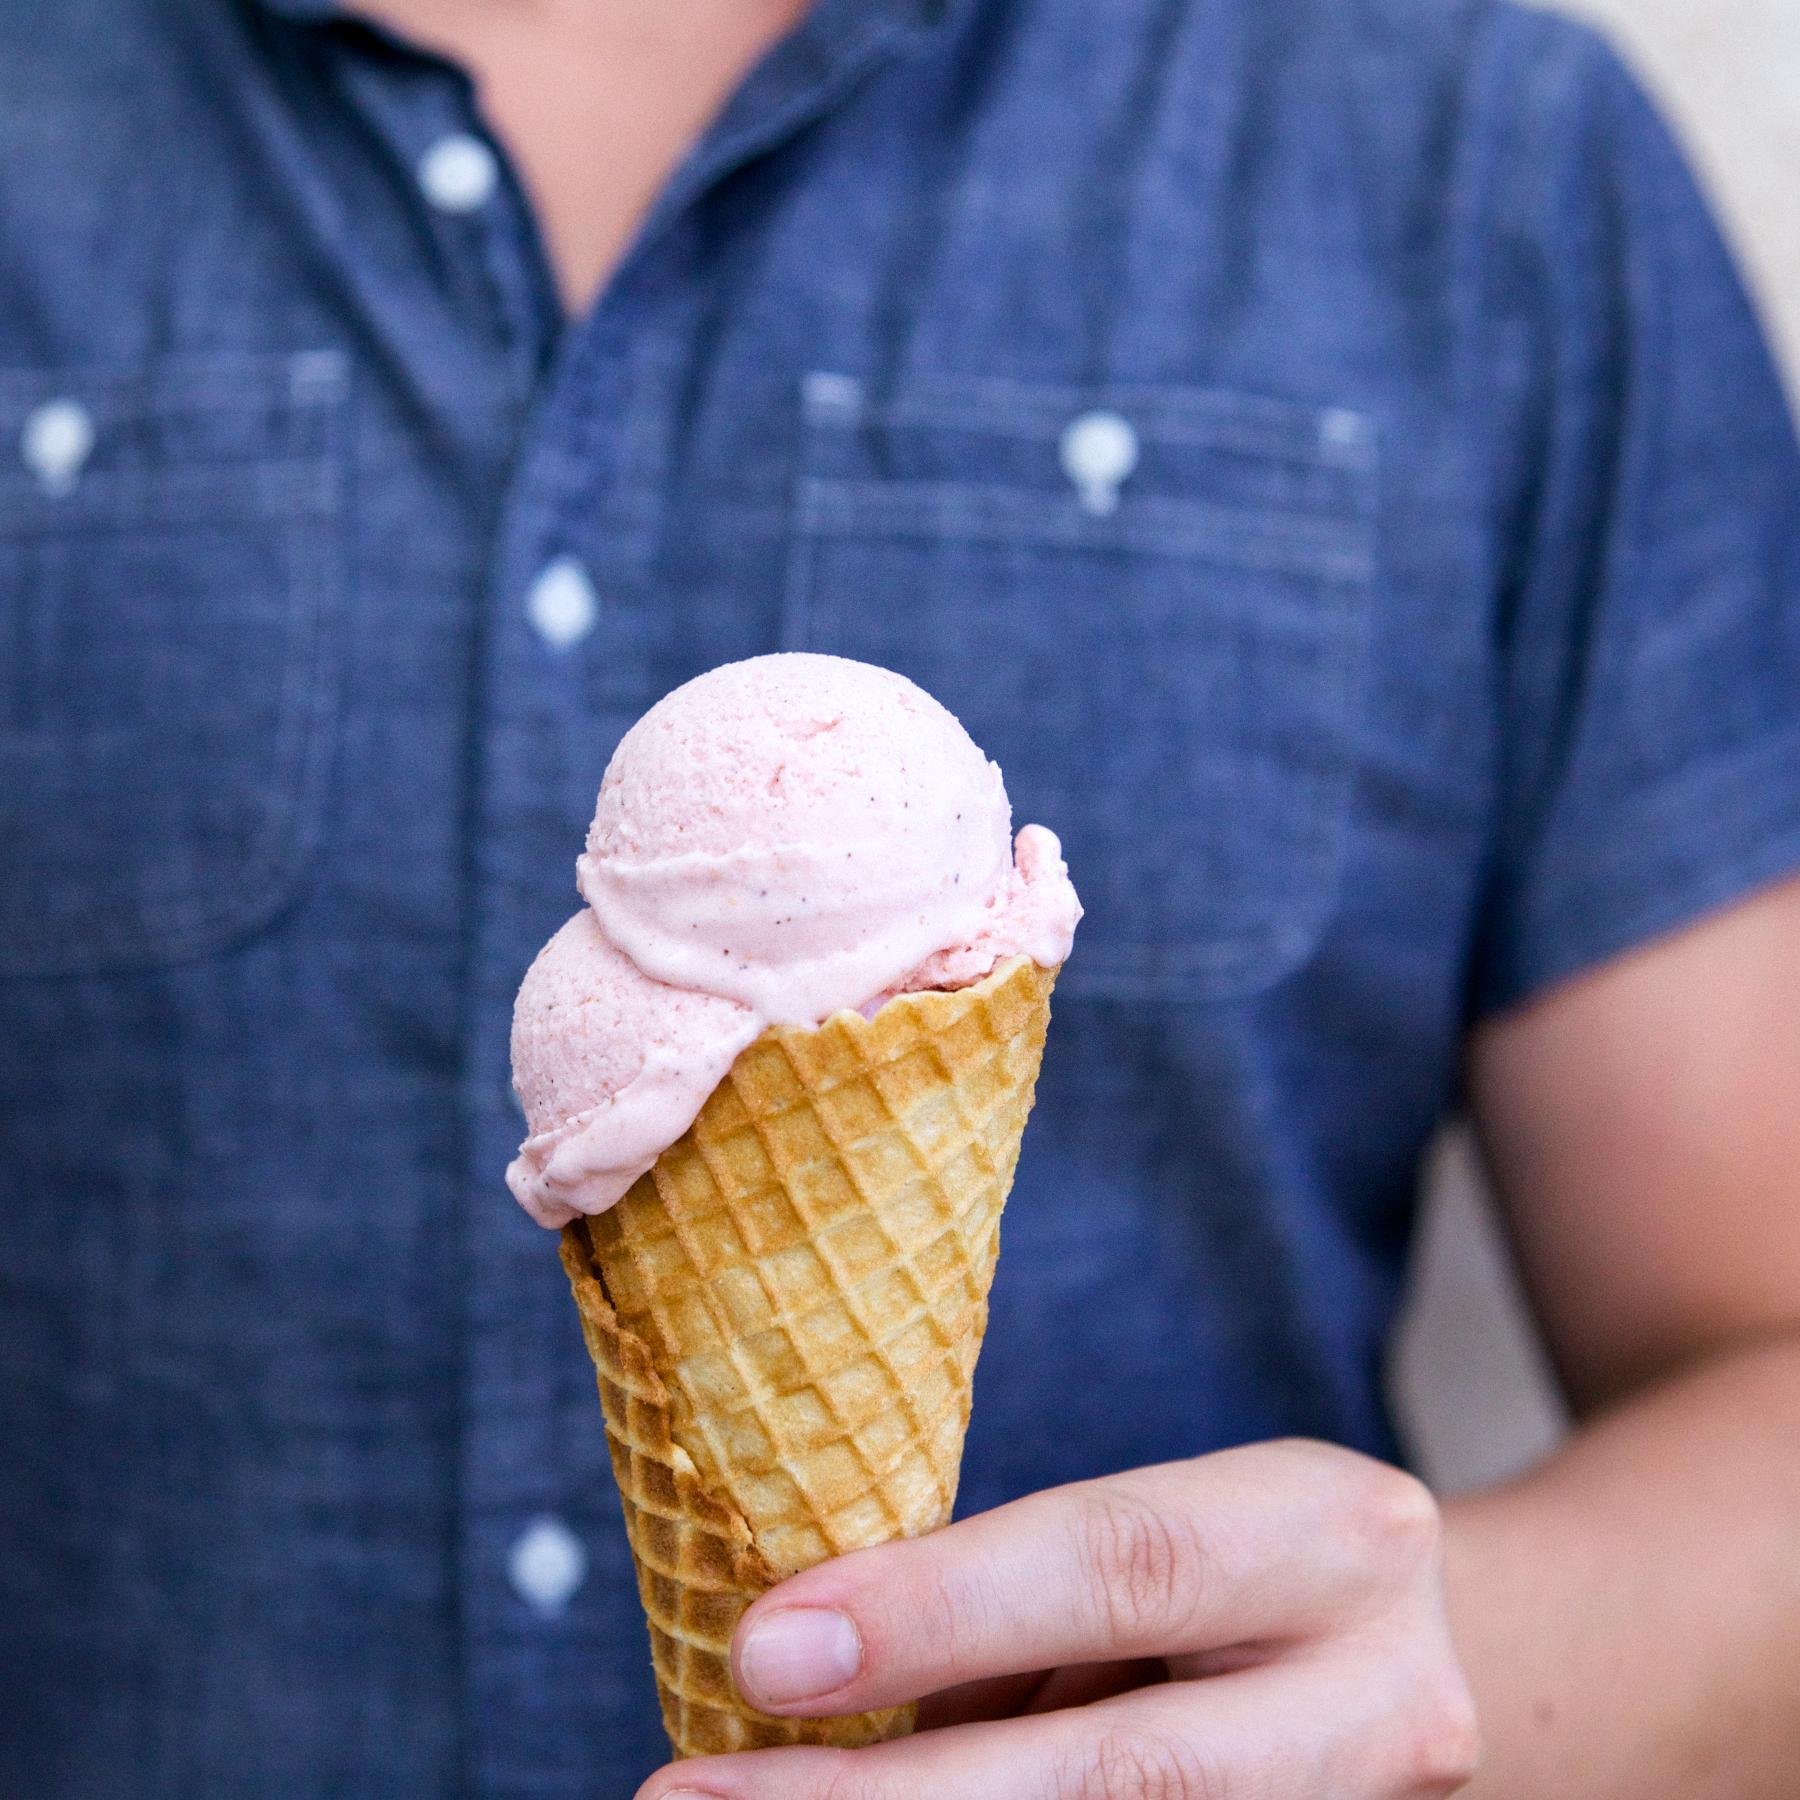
column 1150, row 525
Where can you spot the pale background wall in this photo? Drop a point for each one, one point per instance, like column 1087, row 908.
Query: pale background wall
column 1469, row 1382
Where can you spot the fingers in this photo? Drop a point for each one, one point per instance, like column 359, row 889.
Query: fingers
column 1107, row 1750
column 1287, row 1733
column 1254, row 1547
column 1292, row 1592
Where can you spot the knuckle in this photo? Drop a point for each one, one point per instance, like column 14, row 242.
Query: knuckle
column 1130, row 1762
column 837, row 1775
column 1393, row 1516
column 1443, row 1739
column 1432, row 1745
column 1142, row 1566
column 951, row 1614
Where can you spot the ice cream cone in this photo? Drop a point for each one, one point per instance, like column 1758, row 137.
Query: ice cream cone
column 784, row 1316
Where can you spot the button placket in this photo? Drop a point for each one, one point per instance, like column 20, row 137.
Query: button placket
column 543, row 1557
column 578, row 535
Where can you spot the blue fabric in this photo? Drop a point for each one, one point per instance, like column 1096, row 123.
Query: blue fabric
column 1444, row 640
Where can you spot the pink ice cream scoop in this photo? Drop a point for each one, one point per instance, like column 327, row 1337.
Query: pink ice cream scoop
column 778, row 840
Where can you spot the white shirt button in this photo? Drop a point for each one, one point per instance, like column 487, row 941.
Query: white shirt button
column 1099, row 450
column 459, row 173
column 546, row 1564
column 56, row 440
column 562, row 605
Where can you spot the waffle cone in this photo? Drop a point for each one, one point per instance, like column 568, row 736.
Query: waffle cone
column 784, row 1316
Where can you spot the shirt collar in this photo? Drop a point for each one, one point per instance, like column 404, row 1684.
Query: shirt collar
column 827, row 53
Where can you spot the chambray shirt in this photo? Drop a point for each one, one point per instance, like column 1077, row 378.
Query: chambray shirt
column 1319, row 447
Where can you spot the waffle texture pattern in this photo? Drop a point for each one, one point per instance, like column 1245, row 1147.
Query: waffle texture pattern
column 784, row 1316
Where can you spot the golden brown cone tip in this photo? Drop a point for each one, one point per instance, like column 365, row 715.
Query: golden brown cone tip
column 784, row 1317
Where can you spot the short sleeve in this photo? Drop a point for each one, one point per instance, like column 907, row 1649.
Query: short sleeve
column 1648, row 638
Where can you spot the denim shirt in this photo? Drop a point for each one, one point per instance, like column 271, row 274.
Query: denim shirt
column 1319, row 448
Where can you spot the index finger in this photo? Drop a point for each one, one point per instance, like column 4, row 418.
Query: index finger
column 1242, row 1547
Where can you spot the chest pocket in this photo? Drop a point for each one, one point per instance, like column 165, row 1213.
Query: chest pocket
column 1150, row 606
column 170, row 585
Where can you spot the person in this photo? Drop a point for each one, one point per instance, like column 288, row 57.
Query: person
column 1318, row 447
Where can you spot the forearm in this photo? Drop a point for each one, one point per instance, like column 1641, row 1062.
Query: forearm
column 1629, row 1615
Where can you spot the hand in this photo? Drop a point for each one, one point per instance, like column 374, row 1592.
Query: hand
column 1263, row 1624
